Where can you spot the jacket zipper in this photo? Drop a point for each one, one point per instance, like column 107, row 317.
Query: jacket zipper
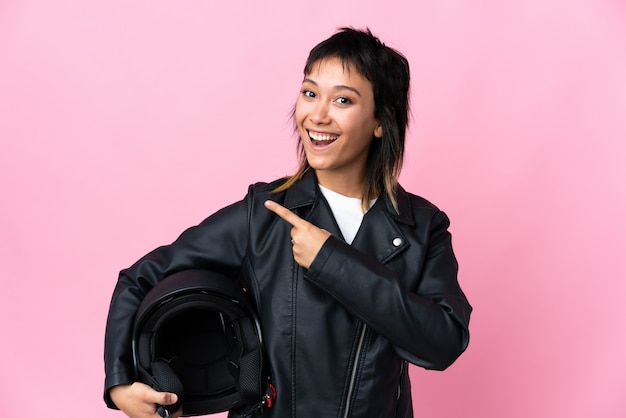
column 400, row 381
column 355, row 366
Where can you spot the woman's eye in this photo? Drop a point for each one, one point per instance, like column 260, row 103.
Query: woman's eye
column 308, row 93
column 343, row 100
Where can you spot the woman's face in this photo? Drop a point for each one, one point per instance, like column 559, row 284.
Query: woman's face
column 335, row 119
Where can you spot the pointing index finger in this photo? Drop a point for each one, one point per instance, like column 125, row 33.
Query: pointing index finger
column 283, row 212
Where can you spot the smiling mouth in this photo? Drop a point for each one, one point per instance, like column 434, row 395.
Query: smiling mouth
column 321, row 139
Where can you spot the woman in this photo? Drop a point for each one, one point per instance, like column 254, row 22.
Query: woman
column 352, row 276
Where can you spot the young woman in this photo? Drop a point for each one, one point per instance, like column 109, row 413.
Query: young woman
column 352, row 276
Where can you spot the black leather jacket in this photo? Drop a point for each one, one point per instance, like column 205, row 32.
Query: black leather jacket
column 339, row 335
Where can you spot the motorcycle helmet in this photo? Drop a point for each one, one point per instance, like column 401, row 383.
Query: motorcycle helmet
column 197, row 335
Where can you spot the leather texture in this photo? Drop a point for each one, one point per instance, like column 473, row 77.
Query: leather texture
column 338, row 335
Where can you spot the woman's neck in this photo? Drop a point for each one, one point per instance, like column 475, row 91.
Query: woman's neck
column 351, row 186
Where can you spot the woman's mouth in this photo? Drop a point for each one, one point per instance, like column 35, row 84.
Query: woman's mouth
column 322, row 139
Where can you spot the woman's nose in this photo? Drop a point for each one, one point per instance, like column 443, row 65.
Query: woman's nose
column 319, row 113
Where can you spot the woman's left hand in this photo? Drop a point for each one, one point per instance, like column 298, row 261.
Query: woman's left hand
column 306, row 238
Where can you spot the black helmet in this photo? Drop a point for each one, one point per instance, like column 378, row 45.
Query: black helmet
column 197, row 335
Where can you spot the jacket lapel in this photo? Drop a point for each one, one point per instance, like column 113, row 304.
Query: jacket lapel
column 379, row 234
column 306, row 200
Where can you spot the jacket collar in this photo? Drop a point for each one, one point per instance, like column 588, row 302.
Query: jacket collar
column 304, row 193
column 404, row 213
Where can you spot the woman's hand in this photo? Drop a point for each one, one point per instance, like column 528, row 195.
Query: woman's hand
column 140, row 401
column 306, row 238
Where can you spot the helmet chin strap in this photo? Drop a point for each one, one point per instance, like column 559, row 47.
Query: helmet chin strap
column 166, row 380
column 163, row 411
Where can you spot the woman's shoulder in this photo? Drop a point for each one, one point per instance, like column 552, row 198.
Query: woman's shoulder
column 267, row 186
column 288, row 190
column 265, row 189
column 414, row 201
column 415, row 209
column 260, row 191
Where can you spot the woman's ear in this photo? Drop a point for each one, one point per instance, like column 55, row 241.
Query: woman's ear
column 378, row 131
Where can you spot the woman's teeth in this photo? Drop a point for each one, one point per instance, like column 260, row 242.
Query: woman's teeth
column 318, row 137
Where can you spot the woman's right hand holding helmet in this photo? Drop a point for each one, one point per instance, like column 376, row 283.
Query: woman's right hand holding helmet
column 139, row 400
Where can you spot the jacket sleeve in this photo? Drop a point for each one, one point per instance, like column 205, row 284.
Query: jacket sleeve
column 218, row 243
column 428, row 326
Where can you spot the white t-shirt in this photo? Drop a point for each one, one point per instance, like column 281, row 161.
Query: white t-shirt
column 347, row 212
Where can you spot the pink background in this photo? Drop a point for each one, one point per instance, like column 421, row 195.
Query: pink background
column 122, row 123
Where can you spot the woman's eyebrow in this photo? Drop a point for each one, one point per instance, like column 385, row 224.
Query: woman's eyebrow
column 337, row 87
